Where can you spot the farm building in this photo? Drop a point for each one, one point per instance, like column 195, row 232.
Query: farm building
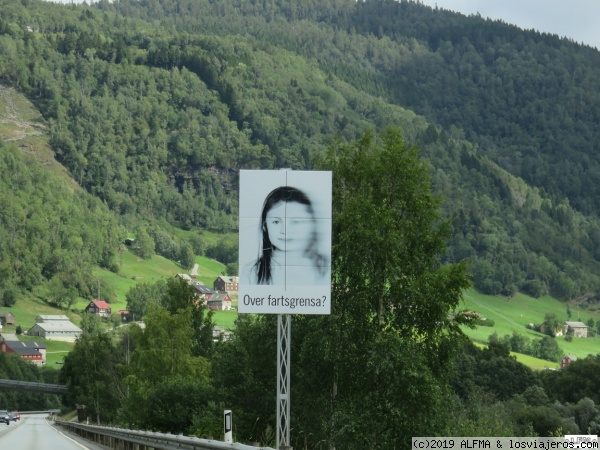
column 27, row 350
column 46, row 318
column 577, row 329
column 56, row 330
column 226, row 284
column 219, row 302
column 7, row 318
column 203, row 291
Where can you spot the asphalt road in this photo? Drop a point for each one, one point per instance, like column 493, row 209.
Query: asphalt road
column 34, row 432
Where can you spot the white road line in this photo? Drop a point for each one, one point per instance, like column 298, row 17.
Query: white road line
column 71, row 439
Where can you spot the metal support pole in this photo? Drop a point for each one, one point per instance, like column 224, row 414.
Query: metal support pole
column 284, row 345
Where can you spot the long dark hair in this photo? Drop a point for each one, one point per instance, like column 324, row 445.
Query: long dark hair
column 277, row 195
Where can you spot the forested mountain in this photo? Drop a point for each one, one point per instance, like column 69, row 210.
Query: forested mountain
column 153, row 107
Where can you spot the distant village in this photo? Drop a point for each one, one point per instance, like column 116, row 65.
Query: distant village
column 59, row 327
column 216, row 298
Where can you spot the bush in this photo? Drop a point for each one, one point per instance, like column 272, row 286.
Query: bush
column 485, row 322
column 569, row 338
column 534, row 288
column 9, row 297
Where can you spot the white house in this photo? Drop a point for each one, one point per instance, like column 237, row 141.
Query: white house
column 56, row 330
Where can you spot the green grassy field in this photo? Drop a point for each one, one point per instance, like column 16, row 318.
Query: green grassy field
column 225, row 319
column 508, row 314
column 515, row 313
column 133, row 270
column 136, row 270
column 209, row 270
column 529, row 361
column 27, row 309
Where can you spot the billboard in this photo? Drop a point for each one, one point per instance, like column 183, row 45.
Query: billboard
column 285, row 242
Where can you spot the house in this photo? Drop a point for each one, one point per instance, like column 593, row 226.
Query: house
column 577, row 329
column 203, row 291
column 7, row 318
column 219, row 334
column 567, row 360
column 28, row 350
column 185, row 277
column 126, row 315
column 98, row 307
column 56, row 330
column 226, row 284
column 219, row 302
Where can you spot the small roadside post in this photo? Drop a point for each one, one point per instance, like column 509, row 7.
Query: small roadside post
column 228, row 426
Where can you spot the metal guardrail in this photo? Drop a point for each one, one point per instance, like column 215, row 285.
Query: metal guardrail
column 33, row 386
column 124, row 439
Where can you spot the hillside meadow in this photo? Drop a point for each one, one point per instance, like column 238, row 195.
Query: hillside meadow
column 513, row 314
column 509, row 314
column 529, row 361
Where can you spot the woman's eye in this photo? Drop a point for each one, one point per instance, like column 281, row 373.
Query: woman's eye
column 276, row 222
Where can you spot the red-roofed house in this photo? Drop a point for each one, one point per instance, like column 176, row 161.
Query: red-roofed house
column 98, row 307
column 567, row 360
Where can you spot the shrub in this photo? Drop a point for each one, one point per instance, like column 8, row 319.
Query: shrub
column 485, row 322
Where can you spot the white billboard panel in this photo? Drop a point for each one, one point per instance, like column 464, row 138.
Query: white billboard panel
column 285, row 242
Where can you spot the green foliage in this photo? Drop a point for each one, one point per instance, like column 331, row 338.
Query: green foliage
column 156, row 121
column 163, row 348
column 492, row 370
column 162, row 353
column 142, row 295
column 88, row 369
column 186, row 256
column 242, row 372
column 550, row 325
column 543, row 420
column 90, row 323
column 479, row 414
column 12, row 367
column 176, row 402
column 525, row 218
column 225, row 250
column 547, row 348
column 144, row 245
column 180, row 296
column 9, row 296
column 390, row 290
column 47, row 241
column 390, row 335
column 485, row 323
column 384, row 187
column 578, row 380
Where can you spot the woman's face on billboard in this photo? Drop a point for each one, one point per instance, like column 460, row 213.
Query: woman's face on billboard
column 291, row 226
